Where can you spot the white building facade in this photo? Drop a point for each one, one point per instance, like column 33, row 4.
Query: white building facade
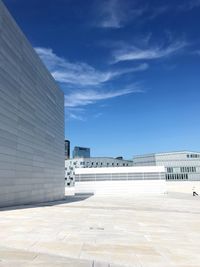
column 179, row 166
column 94, row 162
column 120, row 180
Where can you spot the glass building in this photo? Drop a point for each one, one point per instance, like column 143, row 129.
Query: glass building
column 81, row 152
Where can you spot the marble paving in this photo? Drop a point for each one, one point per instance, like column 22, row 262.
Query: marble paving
column 96, row 231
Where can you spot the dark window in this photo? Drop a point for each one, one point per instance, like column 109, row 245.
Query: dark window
column 170, row 170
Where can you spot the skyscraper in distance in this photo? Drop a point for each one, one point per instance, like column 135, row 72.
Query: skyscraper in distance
column 67, row 149
column 81, row 152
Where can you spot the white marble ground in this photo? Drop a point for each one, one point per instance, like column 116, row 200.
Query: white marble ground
column 92, row 231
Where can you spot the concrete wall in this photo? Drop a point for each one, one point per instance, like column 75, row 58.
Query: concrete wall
column 125, row 188
column 31, row 122
column 121, row 180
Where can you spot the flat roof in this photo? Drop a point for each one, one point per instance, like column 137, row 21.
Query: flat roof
column 166, row 153
column 90, row 158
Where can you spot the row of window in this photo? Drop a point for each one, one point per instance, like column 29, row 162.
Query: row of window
column 177, row 176
column 182, row 169
column 188, row 169
column 193, row 156
column 101, row 164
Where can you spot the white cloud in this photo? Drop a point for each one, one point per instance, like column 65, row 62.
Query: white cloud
column 84, row 84
column 134, row 53
column 97, row 115
column 194, row 3
column 189, row 5
column 87, row 97
column 197, row 52
column 110, row 17
column 116, row 13
column 76, row 117
column 79, row 73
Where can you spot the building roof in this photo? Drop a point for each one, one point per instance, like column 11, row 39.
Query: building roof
column 84, row 159
column 166, row 153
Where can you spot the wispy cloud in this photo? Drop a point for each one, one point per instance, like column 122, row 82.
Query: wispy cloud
column 91, row 96
column 127, row 53
column 79, row 73
column 189, row 5
column 97, row 115
column 84, row 85
column 74, row 116
column 156, row 11
column 116, row 13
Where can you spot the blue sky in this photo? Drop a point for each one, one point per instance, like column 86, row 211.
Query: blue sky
column 130, row 70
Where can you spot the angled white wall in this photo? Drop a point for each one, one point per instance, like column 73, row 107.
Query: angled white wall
column 121, row 180
column 31, row 122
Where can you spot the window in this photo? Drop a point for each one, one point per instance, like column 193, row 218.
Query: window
column 193, row 156
column 170, row 170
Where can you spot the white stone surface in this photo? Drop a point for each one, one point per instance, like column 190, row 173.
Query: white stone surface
column 85, row 230
column 186, row 187
column 31, row 122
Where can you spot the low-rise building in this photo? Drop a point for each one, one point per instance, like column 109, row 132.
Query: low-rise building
column 94, row 162
column 182, row 165
column 121, row 180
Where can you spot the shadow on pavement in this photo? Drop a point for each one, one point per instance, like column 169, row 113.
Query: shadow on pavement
column 66, row 200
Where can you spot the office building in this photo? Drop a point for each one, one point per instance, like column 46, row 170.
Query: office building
column 31, row 122
column 183, row 165
column 81, row 152
column 67, row 149
column 94, row 162
column 120, row 180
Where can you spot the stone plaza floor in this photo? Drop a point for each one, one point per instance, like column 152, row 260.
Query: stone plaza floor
column 96, row 231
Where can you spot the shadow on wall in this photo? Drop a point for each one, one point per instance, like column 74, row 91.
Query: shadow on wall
column 66, row 200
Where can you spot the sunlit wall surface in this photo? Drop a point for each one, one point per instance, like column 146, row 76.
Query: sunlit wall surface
column 31, row 122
